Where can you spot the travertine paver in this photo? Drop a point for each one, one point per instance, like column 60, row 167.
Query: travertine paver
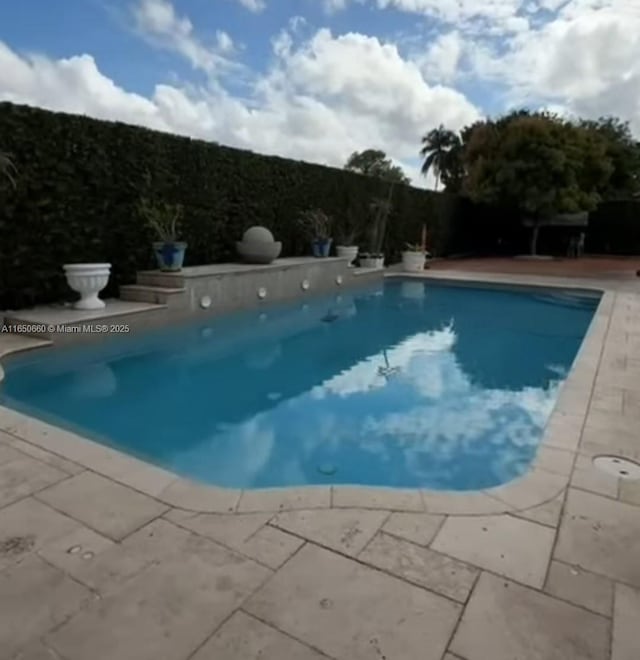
column 37, row 651
column 7, row 453
column 631, row 403
column 505, row 621
column 103, row 505
column 578, row 586
column 113, row 566
column 545, row 514
column 612, row 440
column 270, row 546
column 345, row 530
column 351, row 612
column 552, row 459
column 462, row 503
column 587, row 477
column 598, row 534
column 45, row 456
column 416, row 527
column 72, row 552
column 34, row 597
column 536, row 487
column 630, row 492
column 244, row 532
column 228, row 529
column 506, row 545
column 199, row 497
column 243, row 637
column 626, row 638
column 421, row 566
column 563, row 431
column 26, row 526
column 23, row 475
column 283, row 499
column 607, row 399
column 165, row 612
column 392, row 499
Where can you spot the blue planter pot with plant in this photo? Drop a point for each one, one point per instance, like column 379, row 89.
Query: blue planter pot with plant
column 170, row 255
column 316, row 224
column 321, row 247
column 163, row 219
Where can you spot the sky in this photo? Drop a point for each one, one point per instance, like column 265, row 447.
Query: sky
column 315, row 80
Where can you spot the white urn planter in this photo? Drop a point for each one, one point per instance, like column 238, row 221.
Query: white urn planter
column 347, row 251
column 413, row 262
column 88, row 280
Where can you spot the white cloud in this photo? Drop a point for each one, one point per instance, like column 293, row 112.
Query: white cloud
column 158, row 21
column 583, row 55
column 587, row 61
column 319, row 101
column 73, row 85
column 255, row 6
column 442, row 60
column 325, row 95
column 224, row 41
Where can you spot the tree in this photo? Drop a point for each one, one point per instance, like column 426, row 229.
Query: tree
column 537, row 164
column 441, row 150
column 623, row 152
column 374, row 162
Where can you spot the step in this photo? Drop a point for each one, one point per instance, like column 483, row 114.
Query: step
column 159, row 295
column 158, row 278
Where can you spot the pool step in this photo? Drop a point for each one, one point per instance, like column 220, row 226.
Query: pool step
column 158, row 295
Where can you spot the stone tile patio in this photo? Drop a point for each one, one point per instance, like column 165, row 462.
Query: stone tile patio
column 104, row 557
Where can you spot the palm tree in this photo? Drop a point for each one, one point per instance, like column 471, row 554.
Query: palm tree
column 7, row 168
column 436, row 145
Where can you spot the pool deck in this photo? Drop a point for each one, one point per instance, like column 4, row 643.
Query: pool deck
column 103, row 556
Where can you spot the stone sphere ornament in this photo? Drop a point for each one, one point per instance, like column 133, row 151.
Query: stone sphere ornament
column 258, row 246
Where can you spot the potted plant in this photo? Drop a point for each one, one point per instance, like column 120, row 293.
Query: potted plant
column 415, row 256
column 346, row 239
column 380, row 209
column 317, row 225
column 163, row 218
column 346, row 247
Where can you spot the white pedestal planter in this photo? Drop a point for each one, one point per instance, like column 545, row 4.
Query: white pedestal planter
column 348, row 251
column 413, row 262
column 88, row 280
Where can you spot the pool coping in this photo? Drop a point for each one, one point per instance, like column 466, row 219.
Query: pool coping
column 544, row 481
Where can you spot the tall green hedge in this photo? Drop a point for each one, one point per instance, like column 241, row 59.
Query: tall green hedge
column 80, row 181
column 614, row 228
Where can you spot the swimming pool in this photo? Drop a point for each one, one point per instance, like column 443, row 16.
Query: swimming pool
column 407, row 384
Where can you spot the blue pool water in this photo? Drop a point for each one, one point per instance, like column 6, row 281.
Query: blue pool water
column 407, row 384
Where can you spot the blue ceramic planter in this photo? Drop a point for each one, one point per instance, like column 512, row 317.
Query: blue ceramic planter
column 321, row 248
column 170, row 256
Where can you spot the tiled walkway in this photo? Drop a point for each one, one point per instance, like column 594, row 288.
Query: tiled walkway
column 91, row 569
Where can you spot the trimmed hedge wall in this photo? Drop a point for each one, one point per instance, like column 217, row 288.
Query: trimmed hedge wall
column 614, row 228
column 80, row 181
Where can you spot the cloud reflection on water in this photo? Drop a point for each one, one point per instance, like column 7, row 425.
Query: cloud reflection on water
column 429, row 425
